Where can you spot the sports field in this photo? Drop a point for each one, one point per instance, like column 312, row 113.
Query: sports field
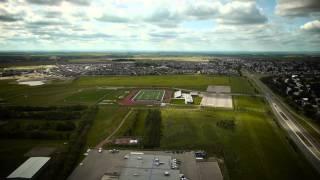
column 149, row 95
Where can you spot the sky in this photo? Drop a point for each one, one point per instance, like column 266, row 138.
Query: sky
column 160, row 25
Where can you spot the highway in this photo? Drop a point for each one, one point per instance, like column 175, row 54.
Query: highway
column 307, row 144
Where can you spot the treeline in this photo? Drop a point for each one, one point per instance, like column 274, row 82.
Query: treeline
column 43, row 113
column 63, row 163
column 36, row 130
column 152, row 134
column 36, row 134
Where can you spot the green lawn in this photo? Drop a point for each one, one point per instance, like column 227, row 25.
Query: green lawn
column 91, row 96
column 197, row 82
column 197, row 100
column 146, row 94
column 57, row 93
column 107, row 119
column 177, row 101
column 247, row 103
column 255, row 149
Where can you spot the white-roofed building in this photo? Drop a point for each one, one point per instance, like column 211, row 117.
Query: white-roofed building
column 29, row 169
column 187, row 98
column 177, row 94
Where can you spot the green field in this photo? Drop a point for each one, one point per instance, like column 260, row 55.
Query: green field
column 107, row 119
column 256, row 148
column 89, row 90
column 196, row 82
column 149, row 95
column 177, row 101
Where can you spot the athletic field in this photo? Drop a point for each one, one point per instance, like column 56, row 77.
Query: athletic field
column 149, row 95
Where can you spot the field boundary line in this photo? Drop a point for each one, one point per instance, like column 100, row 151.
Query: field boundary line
column 135, row 96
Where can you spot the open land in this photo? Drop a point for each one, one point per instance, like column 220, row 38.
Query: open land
column 252, row 147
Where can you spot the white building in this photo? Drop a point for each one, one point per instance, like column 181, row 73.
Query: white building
column 187, row 98
column 29, row 169
column 177, row 94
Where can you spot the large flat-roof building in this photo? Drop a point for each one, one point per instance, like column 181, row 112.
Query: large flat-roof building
column 147, row 166
column 30, row 168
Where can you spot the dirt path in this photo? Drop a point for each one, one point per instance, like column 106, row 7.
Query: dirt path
column 106, row 140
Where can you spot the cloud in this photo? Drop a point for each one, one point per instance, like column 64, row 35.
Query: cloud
column 45, row 2
column 5, row 16
column 297, row 8
column 113, row 18
column 164, row 17
column 58, row 2
column 241, row 13
column 312, row 26
column 203, row 10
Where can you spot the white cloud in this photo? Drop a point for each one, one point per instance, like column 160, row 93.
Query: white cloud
column 313, row 26
column 241, row 13
column 147, row 24
column 296, row 8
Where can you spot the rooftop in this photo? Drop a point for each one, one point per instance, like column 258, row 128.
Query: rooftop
column 148, row 167
column 29, row 168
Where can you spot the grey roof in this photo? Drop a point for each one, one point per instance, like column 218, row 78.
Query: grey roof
column 144, row 167
column 29, row 168
column 148, row 174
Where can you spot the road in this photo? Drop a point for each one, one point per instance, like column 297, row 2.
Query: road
column 308, row 144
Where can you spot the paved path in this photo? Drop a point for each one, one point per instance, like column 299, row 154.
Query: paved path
column 106, row 140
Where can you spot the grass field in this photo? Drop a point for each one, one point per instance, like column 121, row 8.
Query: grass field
column 107, row 119
column 177, row 101
column 247, row 103
column 87, row 90
column 255, row 149
column 196, row 82
column 58, row 93
column 149, row 95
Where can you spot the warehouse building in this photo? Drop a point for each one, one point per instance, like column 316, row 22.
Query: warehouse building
column 30, row 169
column 146, row 166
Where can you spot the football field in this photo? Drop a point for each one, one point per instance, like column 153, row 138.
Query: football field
column 149, row 95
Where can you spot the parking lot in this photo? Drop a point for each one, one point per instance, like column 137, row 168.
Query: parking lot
column 217, row 100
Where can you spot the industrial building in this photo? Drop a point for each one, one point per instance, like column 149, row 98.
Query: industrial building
column 145, row 165
column 30, row 168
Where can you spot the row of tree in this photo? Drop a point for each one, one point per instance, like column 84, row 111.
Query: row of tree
column 62, row 163
column 41, row 113
column 153, row 129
